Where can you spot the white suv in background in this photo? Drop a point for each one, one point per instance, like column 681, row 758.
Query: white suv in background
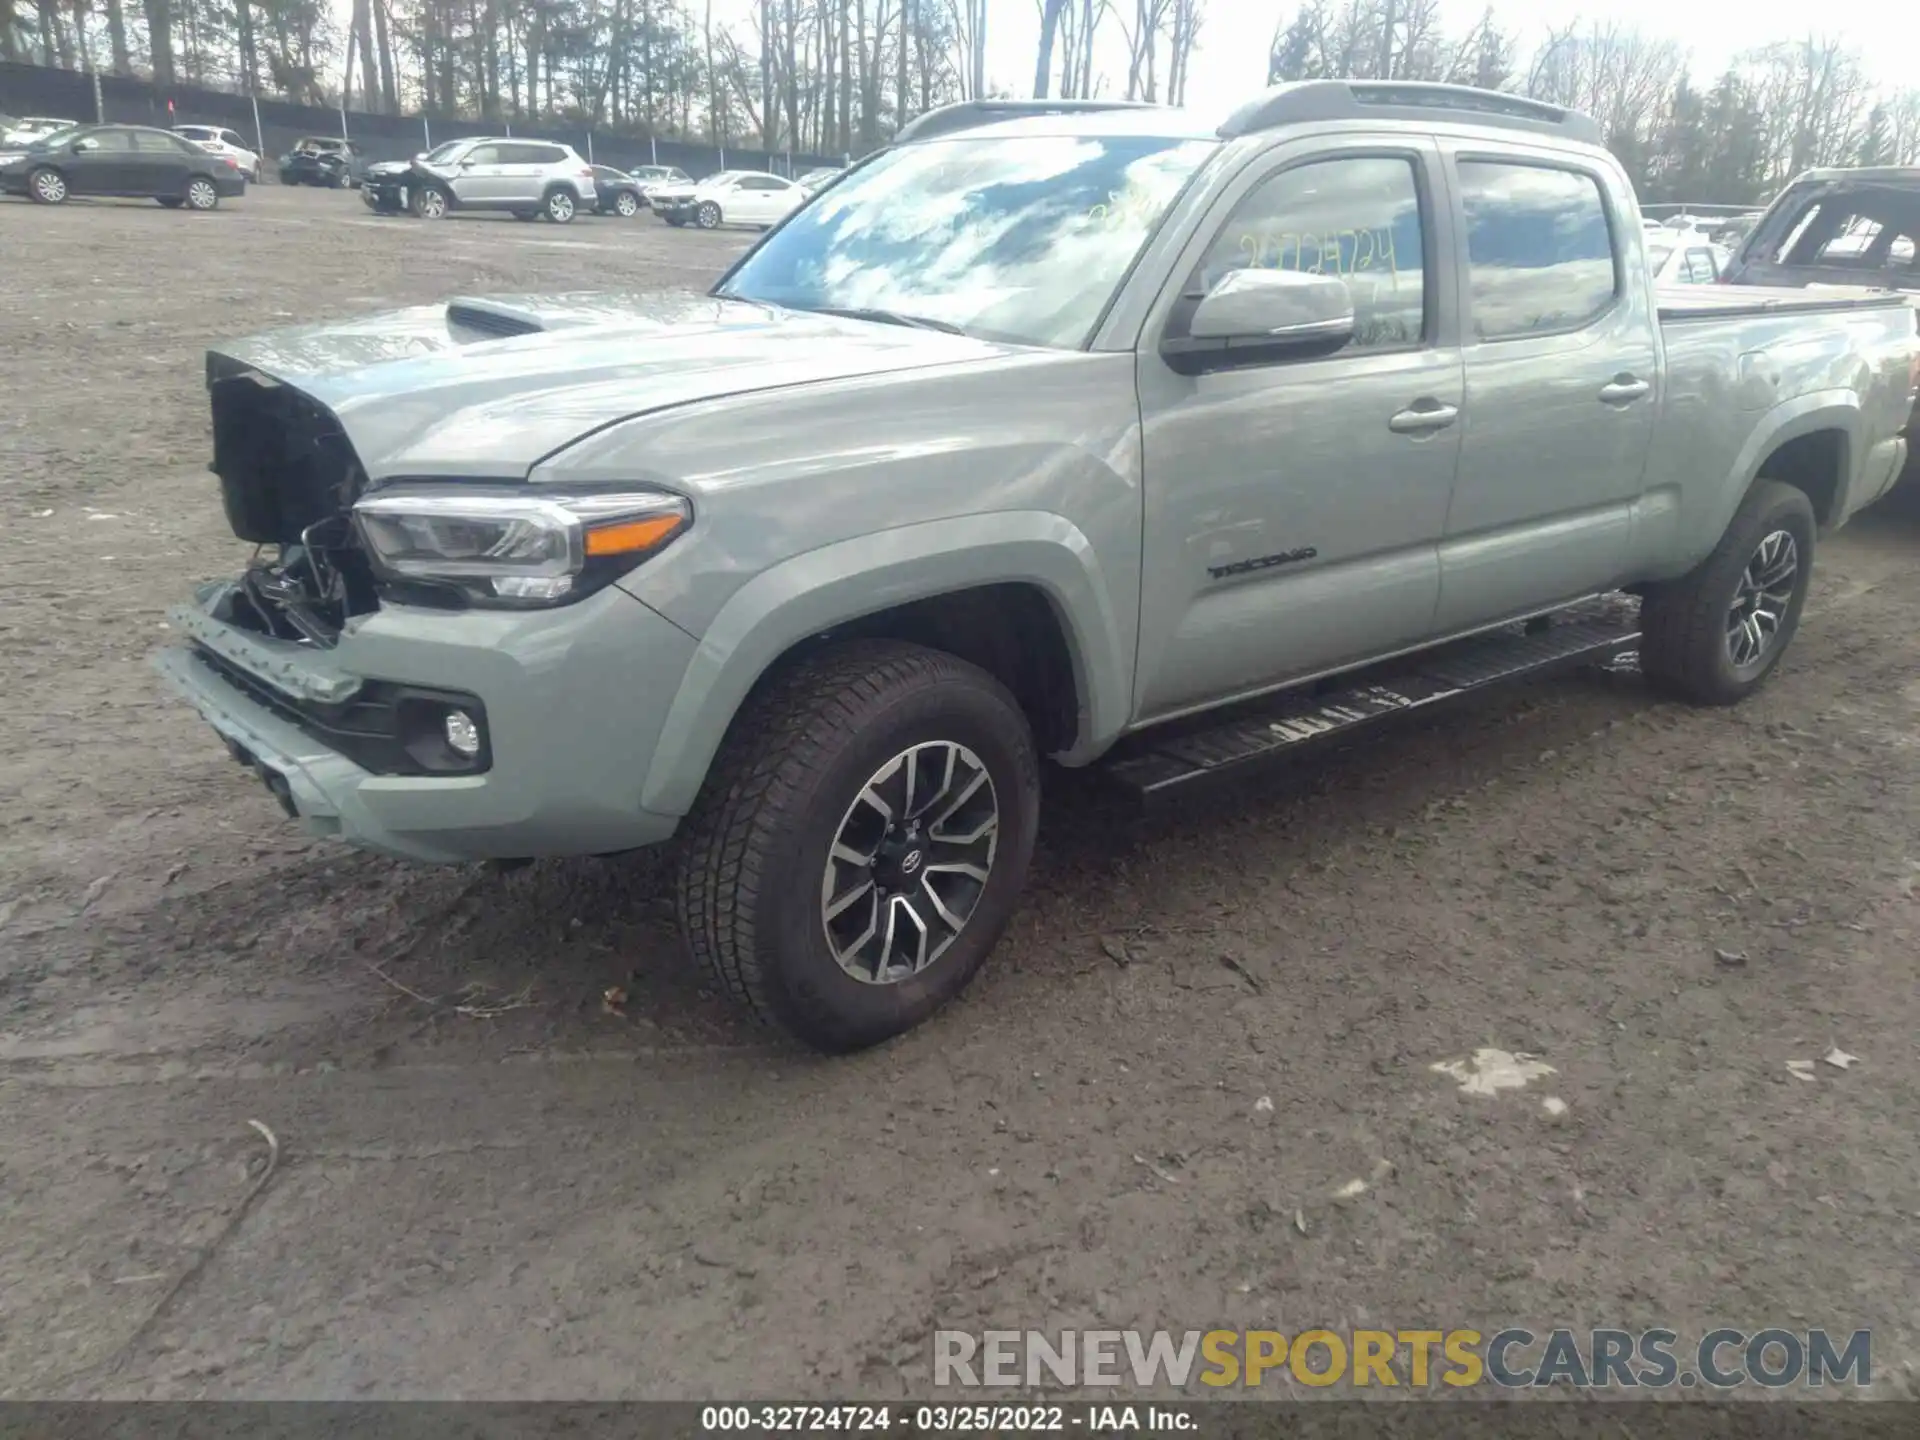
column 224, row 142
column 529, row 178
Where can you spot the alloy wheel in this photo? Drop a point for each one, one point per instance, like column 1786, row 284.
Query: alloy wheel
column 50, row 186
column 1761, row 599
column 909, row 863
column 626, row 205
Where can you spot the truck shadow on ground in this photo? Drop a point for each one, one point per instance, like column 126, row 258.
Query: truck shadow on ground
column 584, row 955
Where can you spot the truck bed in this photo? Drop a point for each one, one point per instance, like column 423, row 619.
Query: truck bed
column 1732, row 302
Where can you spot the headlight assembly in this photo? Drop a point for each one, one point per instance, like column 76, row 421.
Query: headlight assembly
column 514, row 549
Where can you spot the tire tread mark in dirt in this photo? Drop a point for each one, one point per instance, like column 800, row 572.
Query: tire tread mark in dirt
column 186, row 1277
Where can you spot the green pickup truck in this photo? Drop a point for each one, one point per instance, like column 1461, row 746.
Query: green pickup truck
column 1053, row 429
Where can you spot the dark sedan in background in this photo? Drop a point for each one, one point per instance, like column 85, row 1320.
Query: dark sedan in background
column 131, row 161
column 616, row 192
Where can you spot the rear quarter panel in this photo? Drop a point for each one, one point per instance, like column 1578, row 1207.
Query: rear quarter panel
column 1738, row 389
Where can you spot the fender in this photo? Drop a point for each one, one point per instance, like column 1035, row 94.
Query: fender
column 845, row 581
column 1803, row 415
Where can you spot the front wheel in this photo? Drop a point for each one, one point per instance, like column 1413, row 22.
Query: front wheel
column 202, row 194
column 707, row 217
column 860, row 842
column 559, row 207
column 430, row 202
column 1714, row 635
column 48, row 186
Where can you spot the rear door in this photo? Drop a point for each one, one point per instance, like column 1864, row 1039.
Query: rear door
column 165, row 161
column 1561, row 373
column 528, row 167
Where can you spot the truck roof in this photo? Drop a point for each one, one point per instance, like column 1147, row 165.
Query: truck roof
column 1866, row 175
column 1302, row 102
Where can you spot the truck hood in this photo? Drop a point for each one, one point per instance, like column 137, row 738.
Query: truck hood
column 488, row 388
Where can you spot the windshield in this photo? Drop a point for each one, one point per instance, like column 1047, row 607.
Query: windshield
column 53, row 138
column 441, row 152
column 1020, row 238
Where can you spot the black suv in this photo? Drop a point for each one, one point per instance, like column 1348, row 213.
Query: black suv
column 319, row 160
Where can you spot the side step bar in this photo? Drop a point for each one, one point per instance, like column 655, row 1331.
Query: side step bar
column 1160, row 763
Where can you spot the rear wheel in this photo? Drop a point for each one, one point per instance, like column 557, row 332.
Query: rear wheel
column 708, row 216
column 202, row 193
column 430, row 202
column 47, row 186
column 559, row 206
column 626, row 204
column 861, row 841
column 1714, row 635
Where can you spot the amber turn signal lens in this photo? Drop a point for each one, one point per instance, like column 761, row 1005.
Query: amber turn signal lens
column 629, row 537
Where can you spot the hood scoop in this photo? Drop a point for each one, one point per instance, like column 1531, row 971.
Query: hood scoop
column 490, row 320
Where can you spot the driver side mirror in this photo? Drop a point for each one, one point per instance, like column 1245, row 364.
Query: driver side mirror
column 1254, row 315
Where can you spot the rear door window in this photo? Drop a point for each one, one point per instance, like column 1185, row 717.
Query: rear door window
column 1540, row 250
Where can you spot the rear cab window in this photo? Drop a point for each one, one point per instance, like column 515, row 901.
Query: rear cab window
column 1540, row 250
column 1863, row 227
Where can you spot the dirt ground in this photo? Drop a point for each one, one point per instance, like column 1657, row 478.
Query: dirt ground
column 1200, row 1028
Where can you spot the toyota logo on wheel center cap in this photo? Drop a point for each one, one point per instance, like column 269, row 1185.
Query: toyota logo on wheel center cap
column 910, row 862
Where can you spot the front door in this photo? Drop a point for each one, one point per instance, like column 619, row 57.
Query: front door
column 481, row 177
column 106, row 165
column 1561, row 377
column 1294, row 508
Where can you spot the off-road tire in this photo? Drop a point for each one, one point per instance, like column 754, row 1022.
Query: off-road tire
column 560, row 206
column 1683, row 623
column 754, row 849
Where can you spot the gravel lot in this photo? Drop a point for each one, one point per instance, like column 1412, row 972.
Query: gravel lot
column 490, row 1185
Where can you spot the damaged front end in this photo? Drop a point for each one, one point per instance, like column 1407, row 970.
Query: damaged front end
column 288, row 480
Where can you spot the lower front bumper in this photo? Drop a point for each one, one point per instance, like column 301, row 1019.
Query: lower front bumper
column 574, row 702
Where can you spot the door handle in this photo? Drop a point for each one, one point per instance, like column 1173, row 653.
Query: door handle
column 1423, row 418
column 1624, row 390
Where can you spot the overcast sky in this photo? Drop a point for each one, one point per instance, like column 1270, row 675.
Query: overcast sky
column 1230, row 60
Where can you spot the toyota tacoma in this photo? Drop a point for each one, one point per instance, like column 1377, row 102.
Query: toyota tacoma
column 1076, row 430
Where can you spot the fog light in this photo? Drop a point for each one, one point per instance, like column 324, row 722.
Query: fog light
column 462, row 734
